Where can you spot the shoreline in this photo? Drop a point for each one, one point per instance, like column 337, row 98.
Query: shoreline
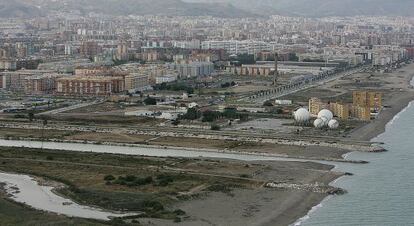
column 53, row 186
column 396, row 104
column 370, row 131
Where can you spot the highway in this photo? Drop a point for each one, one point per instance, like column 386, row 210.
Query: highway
column 261, row 97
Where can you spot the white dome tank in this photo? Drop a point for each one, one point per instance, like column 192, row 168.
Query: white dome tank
column 318, row 123
column 324, row 120
column 333, row 124
column 325, row 113
column 301, row 115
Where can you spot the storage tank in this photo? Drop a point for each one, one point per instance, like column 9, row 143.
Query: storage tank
column 302, row 115
column 325, row 120
column 318, row 123
column 326, row 113
column 333, row 124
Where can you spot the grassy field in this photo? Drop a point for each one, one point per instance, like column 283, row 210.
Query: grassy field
column 33, row 133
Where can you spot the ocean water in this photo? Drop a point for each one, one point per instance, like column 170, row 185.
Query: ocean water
column 379, row 193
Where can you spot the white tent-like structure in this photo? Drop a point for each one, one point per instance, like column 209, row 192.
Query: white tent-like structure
column 318, row 123
column 302, row 115
column 326, row 114
column 333, row 124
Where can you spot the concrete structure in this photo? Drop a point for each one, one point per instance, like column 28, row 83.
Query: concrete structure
column 257, row 70
column 315, row 106
column 92, row 71
column 122, row 51
column 8, row 64
column 90, row 85
column 193, row 69
column 361, row 113
column 136, row 82
column 90, row 49
column 238, row 47
column 372, row 100
column 340, row 110
column 41, row 84
column 165, row 79
column 15, row 80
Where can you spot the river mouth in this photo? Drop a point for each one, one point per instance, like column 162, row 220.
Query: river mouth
column 154, row 151
column 53, row 203
column 27, row 190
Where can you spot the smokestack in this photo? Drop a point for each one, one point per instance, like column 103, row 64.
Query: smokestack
column 276, row 72
column 276, row 60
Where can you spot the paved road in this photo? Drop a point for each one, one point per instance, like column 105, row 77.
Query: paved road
column 70, row 108
column 265, row 95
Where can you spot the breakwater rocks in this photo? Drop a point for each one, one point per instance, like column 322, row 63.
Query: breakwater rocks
column 317, row 188
column 378, row 149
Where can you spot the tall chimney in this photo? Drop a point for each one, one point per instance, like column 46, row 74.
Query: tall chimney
column 276, row 60
column 276, row 72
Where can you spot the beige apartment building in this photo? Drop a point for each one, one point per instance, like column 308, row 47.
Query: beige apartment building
column 90, row 85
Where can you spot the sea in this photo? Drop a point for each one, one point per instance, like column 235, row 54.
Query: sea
column 379, row 193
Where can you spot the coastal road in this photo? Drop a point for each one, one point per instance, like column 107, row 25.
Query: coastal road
column 265, row 95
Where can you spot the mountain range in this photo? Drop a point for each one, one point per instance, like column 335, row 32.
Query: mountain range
column 219, row 8
column 17, row 8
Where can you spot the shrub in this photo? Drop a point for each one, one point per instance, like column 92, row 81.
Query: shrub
column 49, row 158
column 179, row 212
column 153, row 205
column 215, row 127
column 192, row 114
column 211, row 116
column 164, row 179
column 150, row 101
column 109, row 178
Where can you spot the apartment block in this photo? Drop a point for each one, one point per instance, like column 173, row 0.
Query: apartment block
column 340, row 110
column 193, row 69
column 15, row 80
column 372, row 100
column 315, row 105
column 41, row 84
column 361, row 113
column 136, row 82
column 90, row 85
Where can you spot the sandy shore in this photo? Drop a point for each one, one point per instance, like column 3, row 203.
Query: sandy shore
column 257, row 207
column 395, row 104
column 395, row 101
